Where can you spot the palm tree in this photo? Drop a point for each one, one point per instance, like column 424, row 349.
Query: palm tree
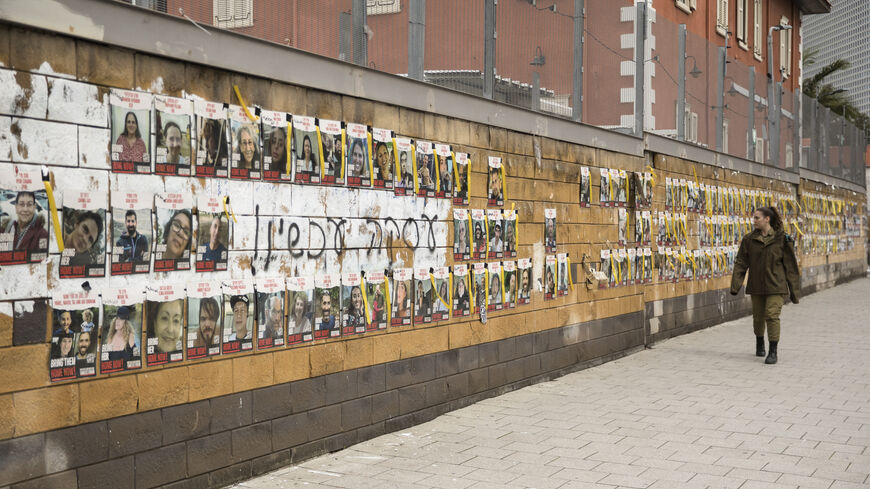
column 836, row 99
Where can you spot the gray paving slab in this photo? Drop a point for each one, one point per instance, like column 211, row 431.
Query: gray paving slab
column 697, row 411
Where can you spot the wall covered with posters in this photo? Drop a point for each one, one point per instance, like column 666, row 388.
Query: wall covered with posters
column 207, row 274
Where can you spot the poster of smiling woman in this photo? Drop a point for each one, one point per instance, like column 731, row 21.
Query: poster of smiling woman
column 245, row 157
column 23, row 216
column 84, row 237
column 121, row 334
column 174, row 232
column 164, row 323
column 131, row 131
column 173, row 123
column 357, row 171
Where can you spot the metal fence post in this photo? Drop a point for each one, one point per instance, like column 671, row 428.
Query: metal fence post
column 639, row 61
column 750, row 129
column 416, row 38
column 797, row 127
column 720, row 100
column 360, row 40
column 577, row 89
column 681, row 84
column 489, row 48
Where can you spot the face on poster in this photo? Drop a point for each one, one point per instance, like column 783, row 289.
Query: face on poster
column 121, row 331
column 203, row 319
column 495, row 183
column 422, row 296
column 404, row 173
column 478, row 229
column 441, row 294
column 164, row 325
column 328, row 307
column 622, row 191
column 245, row 157
column 357, row 166
column 426, row 175
column 331, row 135
column 74, row 337
column 383, row 158
column 496, row 236
column 23, row 216
column 173, row 122
column 510, row 233
column 300, row 309
column 212, row 141
column 84, row 254
column 622, row 225
column 550, row 229
column 131, row 232
column 401, row 289
column 275, row 145
column 131, row 131
column 461, row 293
column 444, row 155
column 524, row 294
column 585, row 186
column 353, row 309
column 270, row 319
column 550, row 277
column 213, row 234
column 481, row 287
column 562, row 274
column 238, row 331
column 460, row 175
column 604, row 189
column 494, row 291
column 174, row 232
column 509, row 275
column 376, row 296
column 461, row 236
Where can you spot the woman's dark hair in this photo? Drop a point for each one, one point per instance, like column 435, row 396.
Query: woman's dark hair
column 138, row 134
column 775, row 220
column 311, row 149
column 94, row 217
column 167, row 227
column 153, row 308
column 210, row 306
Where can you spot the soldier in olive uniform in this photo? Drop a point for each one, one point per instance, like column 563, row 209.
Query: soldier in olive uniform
column 768, row 254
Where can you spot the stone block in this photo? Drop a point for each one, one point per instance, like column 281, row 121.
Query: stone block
column 25, row 94
column 478, row 380
column 209, row 453
column 424, row 341
column 387, row 347
column 272, row 402
column 359, row 353
column 437, row 392
column 208, row 83
column 159, row 75
column 289, row 431
column 7, row 422
column 29, row 320
column 101, row 64
column 42, row 52
column 77, row 103
column 23, row 458
column 232, row 411
column 466, row 334
column 62, row 480
column 412, row 398
column 4, row 44
column 323, row 422
column 497, row 376
column 76, row 446
column 356, row 413
column 411, row 123
column 326, row 358
column 6, row 325
column 116, row 473
column 94, row 148
column 161, row 388
column 446, row 363
column 291, row 364
column 135, row 433
column 272, row 461
column 230, row 475
column 357, row 110
column 44, row 142
column 322, row 104
column 252, row 441
column 210, row 379
column 109, row 397
column 469, row 358
column 162, row 465
column 371, row 380
column 308, row 394
column 186, row 421
column 488, row 354
column 340, row 386
column 252, row 371
column 46, row 409
column 288, row 98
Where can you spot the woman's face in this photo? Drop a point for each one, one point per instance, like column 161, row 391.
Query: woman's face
column 383, row 157
column 478, row 233
column 494, row 287
column 278, row 145
column 356, row 298
column 460, row 287
column 246, row 146
column 299, row 306
column 65, row 345
column 84, row 235
column 306, row 148
column 118, row 324
column 211, row 142
column 214, row 230
column 207, row 324
column 401, row 292
column 759, row 220
column 357, row 157
column 130, row 125
column 167, row 325
column 179, row 236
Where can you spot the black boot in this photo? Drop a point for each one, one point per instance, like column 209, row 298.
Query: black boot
column 759, row 346
column 771, row 357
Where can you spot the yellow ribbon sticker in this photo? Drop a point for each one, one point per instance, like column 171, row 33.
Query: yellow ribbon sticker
column 252, row 117
column 226, row 201
column 58, row 236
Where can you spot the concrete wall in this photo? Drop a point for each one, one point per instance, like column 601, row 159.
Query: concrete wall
column 207, row 423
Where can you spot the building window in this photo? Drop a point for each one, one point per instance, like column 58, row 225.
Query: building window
column 232, row 14
column 785, row 49
column 757, row 23
column 722, row 17
column 378, row 7
column 742, row 23
column 687, row 6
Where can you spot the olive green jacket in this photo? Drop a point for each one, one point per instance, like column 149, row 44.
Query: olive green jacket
column 771, row 263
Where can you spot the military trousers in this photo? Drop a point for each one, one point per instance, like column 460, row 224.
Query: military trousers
column 765, row 312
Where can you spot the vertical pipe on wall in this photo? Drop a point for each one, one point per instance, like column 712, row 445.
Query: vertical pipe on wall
column 750, row 129
column 577, row 91
column 639, row 76
column 416, row 38
column 681, row 84
column 360, row 40
column 489, row 35
column 720, row 100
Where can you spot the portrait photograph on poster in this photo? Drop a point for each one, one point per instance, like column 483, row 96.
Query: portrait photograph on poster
column 461, row 235
column 164, row 323
column 131, row 131
column 121, row 330
column 604, row 189
column 585, row 186
column 524, row 293
column 495, row 182
column 212, row 142
column 495, row 247
column 479, row 232
column 440, row 279
column 461, row 179
column 357, row 171
column 481, row 287
column 23, row 216
column 327, row 319
column 204, row 318
column 173, row 120
column 84, row 219
column 73, row 336
column 329, row 168
column 509, row 223
column 238, row 329
column 422, row 296
column 621, row 178
column 353, row 317
column 550, row 277
column 495, row 294
column 605, row 268
column 300, row 298
column 404, row 174
column 174, row 231
column 550, row 230
column 400, row 287
column 131, row 233
column 461, row 291
column 382, row 152
column 444, row 155
column 213, row 234
column 562, row 275
column 276, row 146
column 509, row 279
column 426, row 177
column 270, row 312
column 376, row 297
column 245, row 154
column 622, row 226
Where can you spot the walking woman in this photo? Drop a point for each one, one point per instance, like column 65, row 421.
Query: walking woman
column 768, row 254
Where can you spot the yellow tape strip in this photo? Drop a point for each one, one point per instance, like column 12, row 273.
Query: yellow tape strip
column 570, row 278
column 503, row 183
column 366, row 302
column 287, row 145
column 320, row 150
column 437, row 294
column 389, row 306
column 437, row 171
column 397, row 174
column 414, row 166
column 501, row 282
column 371, row 156
column 343, row 163
column 252, row 117
column 225, row 201
column 458, row 184
column 58, row 235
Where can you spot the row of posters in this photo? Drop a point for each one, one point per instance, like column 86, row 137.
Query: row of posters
column 91, row 332
column 209, row 139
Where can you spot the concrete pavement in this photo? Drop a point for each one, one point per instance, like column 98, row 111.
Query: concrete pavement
column 696, row 411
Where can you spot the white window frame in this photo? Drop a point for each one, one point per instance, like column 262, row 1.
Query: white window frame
column 742, row 23
column 684, row 5
column 785, row 49
column 757, row 23
column 725, row 136
column 233, row 14
column 722, row 17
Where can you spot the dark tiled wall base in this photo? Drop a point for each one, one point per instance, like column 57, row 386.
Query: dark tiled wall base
column 219, row 441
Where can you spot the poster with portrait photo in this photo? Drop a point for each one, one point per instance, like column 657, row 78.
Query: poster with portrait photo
column 494, row 290
column 680, row 194
column 131, row 131
column 73, row 336
column 440, row 280
column 461, row 291
column 353, row 316
column 305, row 149
column 212, row 142
column 330, row 141
column 524, row 293
column 164, row 323
column 621, row 188
column 358, row 165
column 585, row 186
column 24, row 218
column 461, row 178
column 245, row 152
column 400, row 287
column 377, row 300
column 327, row 311
column 480, row 287
column 478, row 234
column 510, row 233
column 550, row 277
column 238, row 328
column 131, row 232
column 270, row 312
column 633, row 267
column 275, row 127
column 495, row 182
column 550, row 230
column 444, row 170
column 300, row 310
column 204, row 312
column 172, row 241
column 622, row 225
column 173, row 121
column 424, row 169
column 604, row 189
column 669, row 193
column 422, row 296
column 647, row 271
column 614, row 188
column 624, row 266
column 383, row 149
column 563, row 275
column 606, row 263
column 403, row 183
column 213, row 234
column 461, row 235
column 121, row 330
column 509, row 283
column 638, row 227
column 84, row 237
column 495, row 234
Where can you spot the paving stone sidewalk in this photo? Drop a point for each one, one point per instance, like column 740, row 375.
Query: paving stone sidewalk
column 697, row 411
